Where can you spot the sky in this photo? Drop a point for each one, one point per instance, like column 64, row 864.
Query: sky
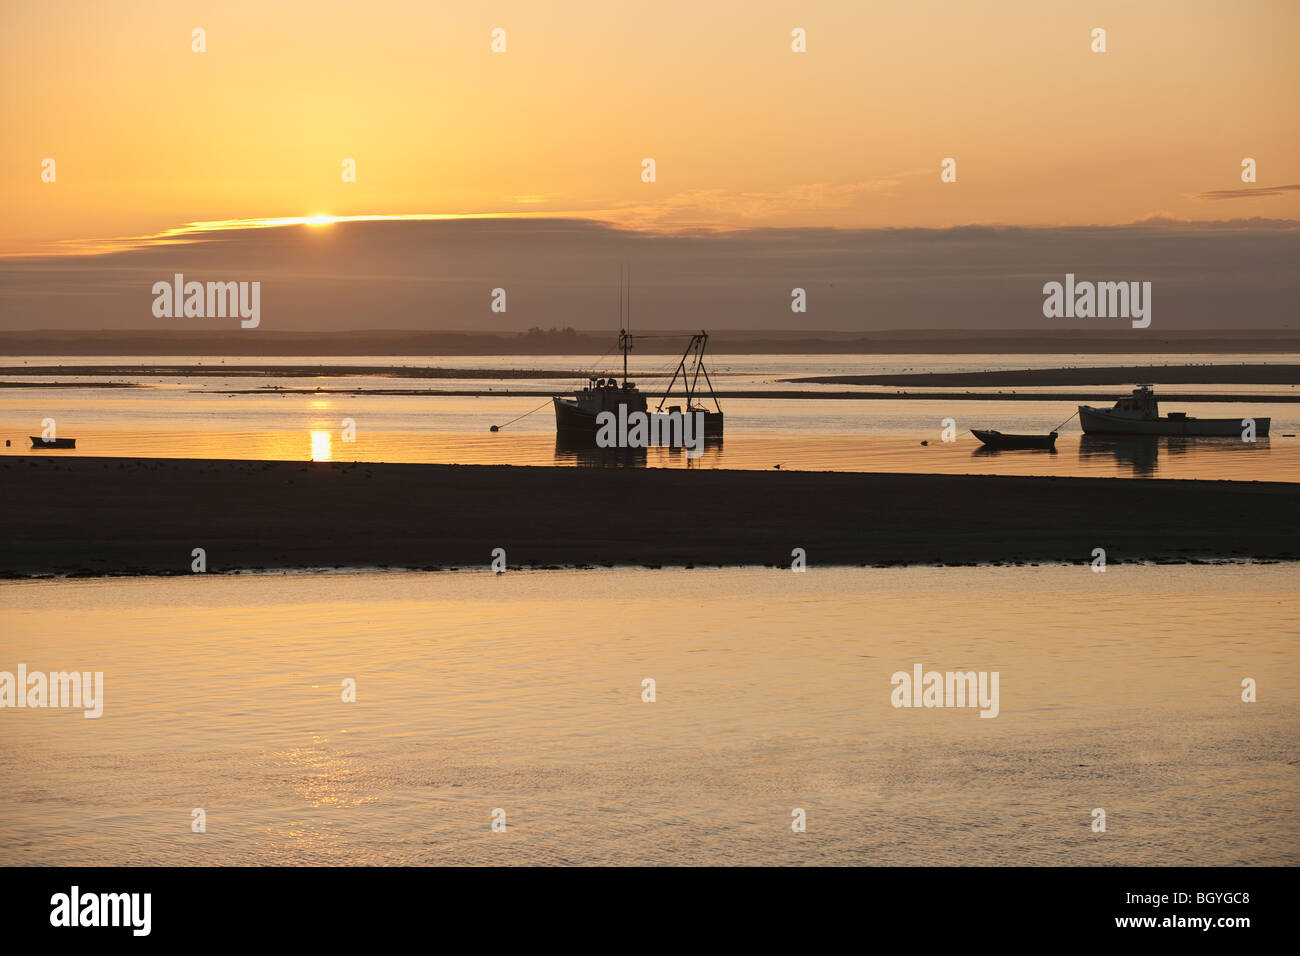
column 147, row 135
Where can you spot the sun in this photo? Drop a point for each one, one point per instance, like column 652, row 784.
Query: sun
column 319, row 220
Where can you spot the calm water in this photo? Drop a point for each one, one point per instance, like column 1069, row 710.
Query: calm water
column 198, row 417
column 1118, row 690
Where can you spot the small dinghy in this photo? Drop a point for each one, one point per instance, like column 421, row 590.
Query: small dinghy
column 995, row 439
column 52, row 442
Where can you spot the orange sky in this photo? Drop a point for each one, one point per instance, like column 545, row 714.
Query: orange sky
column 148, row 135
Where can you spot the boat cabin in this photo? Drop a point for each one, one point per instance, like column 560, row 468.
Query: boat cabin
column 597, row 386
column 1141, row 404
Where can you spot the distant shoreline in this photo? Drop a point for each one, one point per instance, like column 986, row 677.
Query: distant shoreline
column 754, row 394
column 1202, row 374
column 291, row 371
column 100, row 516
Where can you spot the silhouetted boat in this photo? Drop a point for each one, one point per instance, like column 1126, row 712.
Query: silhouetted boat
column 575, row 418
column 995, row 439
column 52, row 442
column 1139, row 414
column 690, row 385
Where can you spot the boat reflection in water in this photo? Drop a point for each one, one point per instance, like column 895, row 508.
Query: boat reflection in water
column 574, row 450
column 986, row 451
column 1141, row 453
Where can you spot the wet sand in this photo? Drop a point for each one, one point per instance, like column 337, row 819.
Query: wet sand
column 144, row 516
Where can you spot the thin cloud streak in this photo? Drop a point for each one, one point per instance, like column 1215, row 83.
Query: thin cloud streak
column 1250, row 192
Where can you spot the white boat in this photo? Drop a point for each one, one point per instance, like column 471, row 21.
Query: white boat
column 1139, row 414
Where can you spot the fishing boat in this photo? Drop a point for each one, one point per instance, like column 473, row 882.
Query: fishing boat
column 691, row 392
column 52, row 442
column 576, row 418
column 995, row 439
column 1139, row 414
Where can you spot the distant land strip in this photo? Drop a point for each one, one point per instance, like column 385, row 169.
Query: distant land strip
column 1205, row 374
column 289, row 371
column 1209, row 374
column 97, row 516
column 857, row 396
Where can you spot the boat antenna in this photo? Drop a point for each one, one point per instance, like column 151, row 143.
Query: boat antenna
column 624, row 335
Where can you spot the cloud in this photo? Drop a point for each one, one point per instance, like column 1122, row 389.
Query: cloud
column 384, row 272
column 1249, row 192
column 727, row 209
column 1169, row 221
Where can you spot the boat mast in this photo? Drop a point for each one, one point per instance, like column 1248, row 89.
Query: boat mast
column 703, row 339
column 624, row 343
column 625, row 337
column 691, row 378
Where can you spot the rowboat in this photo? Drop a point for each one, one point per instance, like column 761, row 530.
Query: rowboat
column 52, row 442
column 995, row 439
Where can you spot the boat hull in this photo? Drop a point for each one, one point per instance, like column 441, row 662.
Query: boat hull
column 712, row 423
column 52, row 442
column 994, row 439
column 575, row 423
column 1096, row 421
column 572, row 421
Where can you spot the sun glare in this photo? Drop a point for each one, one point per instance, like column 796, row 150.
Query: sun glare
column 319, row 220
column 320, row 446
